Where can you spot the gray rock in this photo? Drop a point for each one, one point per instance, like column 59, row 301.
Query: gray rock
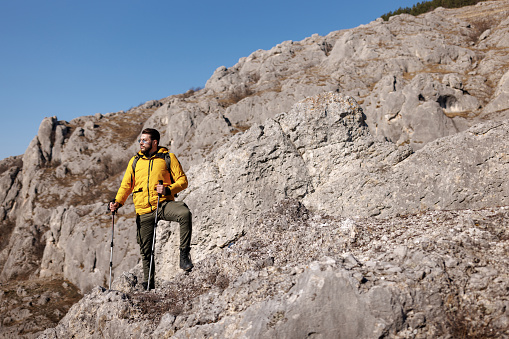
column 411, row 84
column 501, row 96
column 102, row 307
column 229, row 295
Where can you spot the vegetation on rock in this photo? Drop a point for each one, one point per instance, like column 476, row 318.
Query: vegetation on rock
column 428, row 6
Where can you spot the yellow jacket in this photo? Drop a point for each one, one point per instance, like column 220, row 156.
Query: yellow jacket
column 144, row 181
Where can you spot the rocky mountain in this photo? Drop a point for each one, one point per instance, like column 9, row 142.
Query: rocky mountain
column 347, row 185
column 269, row 265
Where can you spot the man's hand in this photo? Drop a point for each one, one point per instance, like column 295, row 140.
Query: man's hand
column 163, row 190
column 160, row 189
column 114, row 206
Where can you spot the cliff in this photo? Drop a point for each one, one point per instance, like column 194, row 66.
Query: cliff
column 368, row 163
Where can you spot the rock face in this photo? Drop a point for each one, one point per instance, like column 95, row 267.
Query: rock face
column 322, row 153
column 270, row 266
column 420, row 126
column 299, row 274
column 418, row 78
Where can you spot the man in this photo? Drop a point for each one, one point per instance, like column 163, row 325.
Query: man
column 150, row 167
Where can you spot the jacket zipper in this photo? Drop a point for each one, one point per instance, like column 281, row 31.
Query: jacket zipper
column 149, row 169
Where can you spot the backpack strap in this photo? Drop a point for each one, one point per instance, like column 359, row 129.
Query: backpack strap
column 165, row 156
column 135, row 160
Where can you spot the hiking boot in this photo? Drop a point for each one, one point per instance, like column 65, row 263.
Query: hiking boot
column 144, row 285
column 185, row 259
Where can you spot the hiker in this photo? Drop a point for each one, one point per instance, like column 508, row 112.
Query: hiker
column 145, row 171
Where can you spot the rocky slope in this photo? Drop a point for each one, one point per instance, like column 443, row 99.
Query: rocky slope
column 342, row 279
column 271, row 266
column 417, row 80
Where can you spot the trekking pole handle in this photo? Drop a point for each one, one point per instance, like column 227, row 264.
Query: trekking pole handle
column 109, row 209
column 160, row 183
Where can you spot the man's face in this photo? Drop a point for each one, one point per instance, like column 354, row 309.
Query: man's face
column 146, row 144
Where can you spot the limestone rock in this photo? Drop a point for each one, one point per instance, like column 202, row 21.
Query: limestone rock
column 501, row 96
column 313, row 153
column 420, row 126
column 397, row 279
column 103, row 309
column 322, row 152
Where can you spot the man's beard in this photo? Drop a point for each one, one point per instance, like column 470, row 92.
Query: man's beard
column 147, row 152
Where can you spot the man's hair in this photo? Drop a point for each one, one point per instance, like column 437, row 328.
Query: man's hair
column 154, row 134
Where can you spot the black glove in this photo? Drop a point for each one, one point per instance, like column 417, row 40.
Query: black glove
column 112, row 202
column 167, row 190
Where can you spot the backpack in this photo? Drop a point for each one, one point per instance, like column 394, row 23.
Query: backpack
column 165, row 156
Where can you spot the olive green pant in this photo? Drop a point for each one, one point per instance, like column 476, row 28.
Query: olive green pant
column 170, row 211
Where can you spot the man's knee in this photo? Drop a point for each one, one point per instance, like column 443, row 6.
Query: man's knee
column 184, row 213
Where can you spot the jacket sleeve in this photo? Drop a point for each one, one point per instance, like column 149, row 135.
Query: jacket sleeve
column 179, row 177
column 127, row 185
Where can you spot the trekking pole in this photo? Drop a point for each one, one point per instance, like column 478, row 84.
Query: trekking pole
column 112, row 232
column 153, row 240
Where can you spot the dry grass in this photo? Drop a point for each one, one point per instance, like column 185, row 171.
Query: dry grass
column 155, row 305
column 235, row 96
column 465, row 114
column 462, row 321
column 6, row 228
column 435, row 70
column 240, row 128
column 177, row 295
column 189, row 93
column 124, row 128
column 46, row 300
column 476, row 12
column 176, row 298
column 479, row 26
column 8, row 163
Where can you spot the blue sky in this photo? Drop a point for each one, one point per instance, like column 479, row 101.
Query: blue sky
column 74, row 58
